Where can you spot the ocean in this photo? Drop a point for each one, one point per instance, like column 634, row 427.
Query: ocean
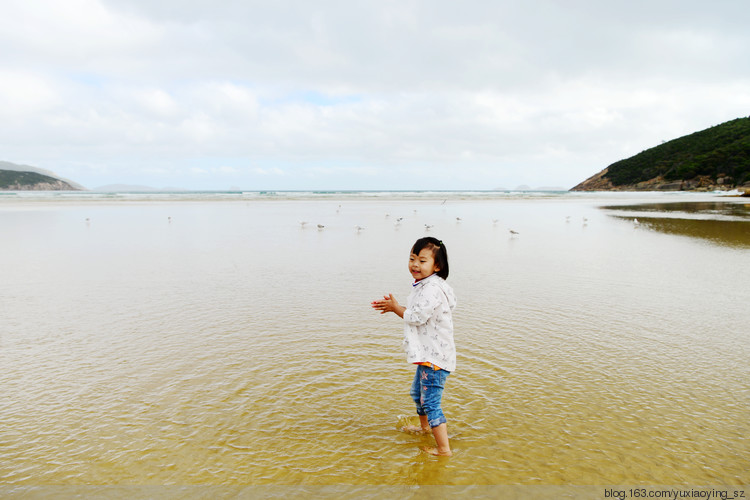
column 178, row 340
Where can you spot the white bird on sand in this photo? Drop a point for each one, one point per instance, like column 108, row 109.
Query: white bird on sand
column 428, row 227
column 458, row 219
column 321, row 226
column 635, row 221
column 513, row 233
column 358, row 228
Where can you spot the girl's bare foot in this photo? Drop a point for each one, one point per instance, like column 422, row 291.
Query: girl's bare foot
column 437, row 452
column 415, row 429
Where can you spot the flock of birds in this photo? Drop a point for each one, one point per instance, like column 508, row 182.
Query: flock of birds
column 513, row 233
column 427, row 227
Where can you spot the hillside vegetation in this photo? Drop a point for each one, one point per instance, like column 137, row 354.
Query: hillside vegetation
column 21, row 181
column 718, row 157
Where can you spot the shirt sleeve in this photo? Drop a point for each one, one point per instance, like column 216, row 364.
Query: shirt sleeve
column 423, row 307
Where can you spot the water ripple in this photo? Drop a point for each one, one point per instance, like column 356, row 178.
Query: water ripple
column 596, row 356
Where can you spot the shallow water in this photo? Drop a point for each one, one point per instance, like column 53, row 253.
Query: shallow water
column 187, row 342
column 723, row 222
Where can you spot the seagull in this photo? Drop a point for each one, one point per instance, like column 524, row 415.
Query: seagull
column 458, row 219
column 513, row 233
column 428, row 227
column 321, row 226
column 358, row 228
column 635, row 221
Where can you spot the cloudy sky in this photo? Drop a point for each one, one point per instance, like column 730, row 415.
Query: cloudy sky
column 407, row 94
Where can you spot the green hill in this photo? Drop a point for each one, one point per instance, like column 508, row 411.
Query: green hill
column 21, row 181
column 715, row 158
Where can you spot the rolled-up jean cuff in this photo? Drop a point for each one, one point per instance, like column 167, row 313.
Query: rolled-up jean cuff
column 438, row 421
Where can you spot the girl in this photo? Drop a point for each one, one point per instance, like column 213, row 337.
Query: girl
column 428, row 335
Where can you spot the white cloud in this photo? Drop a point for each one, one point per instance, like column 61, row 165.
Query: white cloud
column 224, row 170
column 135, row 91
column 157, row 103
column 80, row 34
column 269, row 171
column 22, row 93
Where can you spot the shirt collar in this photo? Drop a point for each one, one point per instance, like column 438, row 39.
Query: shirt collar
column 416, row 283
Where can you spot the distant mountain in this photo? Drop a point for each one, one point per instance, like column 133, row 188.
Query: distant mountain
column 715, row 158
column 15, row 177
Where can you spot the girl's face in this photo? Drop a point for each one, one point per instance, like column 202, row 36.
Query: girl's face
column 422, row 265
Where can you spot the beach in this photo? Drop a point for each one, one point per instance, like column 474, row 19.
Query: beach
column 214, row 339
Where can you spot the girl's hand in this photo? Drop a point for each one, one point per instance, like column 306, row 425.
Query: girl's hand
column 384, row 305
column 388, row 304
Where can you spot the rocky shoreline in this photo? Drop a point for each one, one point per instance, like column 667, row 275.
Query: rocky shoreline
column 704, row 183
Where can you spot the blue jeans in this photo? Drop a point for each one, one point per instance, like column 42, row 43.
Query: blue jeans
column 427, row 393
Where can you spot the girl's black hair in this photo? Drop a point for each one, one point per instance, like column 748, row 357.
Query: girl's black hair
column 439, row 253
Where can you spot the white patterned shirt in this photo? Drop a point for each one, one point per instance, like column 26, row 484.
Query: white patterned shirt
column 428, row 323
